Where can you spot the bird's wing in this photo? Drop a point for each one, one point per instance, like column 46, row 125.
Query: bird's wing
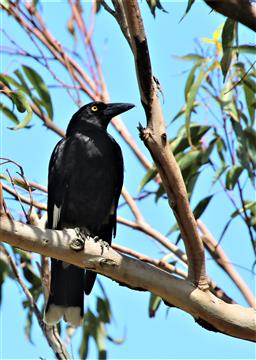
column 119, row 183
column 56, row 186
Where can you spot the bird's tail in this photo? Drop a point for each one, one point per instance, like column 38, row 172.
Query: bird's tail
column 66, row 297
column 89, row 280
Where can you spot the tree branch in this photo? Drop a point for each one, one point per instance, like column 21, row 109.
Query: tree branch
column 223, row 261
column 242, row 11
column 51, row 333
column 155, row 139
column 231, row 319
column 143, row 226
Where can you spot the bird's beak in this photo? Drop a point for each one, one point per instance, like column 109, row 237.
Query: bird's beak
column 115, row 109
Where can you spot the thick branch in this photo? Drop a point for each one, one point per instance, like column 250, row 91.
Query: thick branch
column 242, row 11
column 223, row 261
column 155, row 139
column 233, row 320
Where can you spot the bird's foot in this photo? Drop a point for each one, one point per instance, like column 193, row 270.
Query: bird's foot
column 103, row 244
column 77, row 244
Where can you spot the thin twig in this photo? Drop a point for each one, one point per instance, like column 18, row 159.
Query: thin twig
column 50, row 332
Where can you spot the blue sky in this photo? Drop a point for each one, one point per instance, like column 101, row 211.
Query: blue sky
column 172, row 334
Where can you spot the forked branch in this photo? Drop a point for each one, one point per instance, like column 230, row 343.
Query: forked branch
column 155, row 139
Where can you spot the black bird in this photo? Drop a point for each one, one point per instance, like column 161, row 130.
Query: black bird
column 84, row 185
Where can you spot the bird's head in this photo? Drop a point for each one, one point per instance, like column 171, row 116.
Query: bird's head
column 98, row 113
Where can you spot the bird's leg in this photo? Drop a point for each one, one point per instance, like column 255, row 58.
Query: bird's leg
column 82, row 235
column 103, row 244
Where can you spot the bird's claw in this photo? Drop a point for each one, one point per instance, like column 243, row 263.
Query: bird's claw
column 103, row 244
column 77, row 244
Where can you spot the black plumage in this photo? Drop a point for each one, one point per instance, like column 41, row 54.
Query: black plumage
column 84, row 185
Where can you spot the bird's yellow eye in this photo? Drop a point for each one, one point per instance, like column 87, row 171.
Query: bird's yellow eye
column 94, row 108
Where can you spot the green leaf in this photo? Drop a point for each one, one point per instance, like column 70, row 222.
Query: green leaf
column 249, row 87
column 181, row 112
column 25, row 87
column 103, row 308
column 246, row 148
column 190, row 182
column 189, row 159
column 8, row 80
column 155, row 4
column 232, row 176
column 173, row 229
column 160, row 192
column 154, row 303
column 100, row 339
column 228, row 35
column 190, row 79
column 84, row 347
column 22, row 105
column 28, row 326
column 248, row 81
column 189, row 5
column 249, row 205
column 19, row 100
column 180, row 143
column 201, row 206
column 31, row 276
column 10, row 114
column 228, row 101
column 191, row 98
column 245, row 49
column 191, row 57
column 224, row 230
column 150, row 174
column 219, row 173
column 40, row 87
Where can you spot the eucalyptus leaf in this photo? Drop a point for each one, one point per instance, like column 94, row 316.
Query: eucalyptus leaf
column 201, row 206
column 23, row 83
column 40, row 87
column 9, row 113
column 103, row 309
column 191, row 57
column 150, row 174
column 22, row 105
column 245, row 49
column 249, row 87
column 232, row 176
column 189, row 5
column 190, row 79
column 219, row 173
column 155, row 4
column 191, row 98
column 249, row 205
column 8, row 81
column 154, row 303
column 228, row 36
